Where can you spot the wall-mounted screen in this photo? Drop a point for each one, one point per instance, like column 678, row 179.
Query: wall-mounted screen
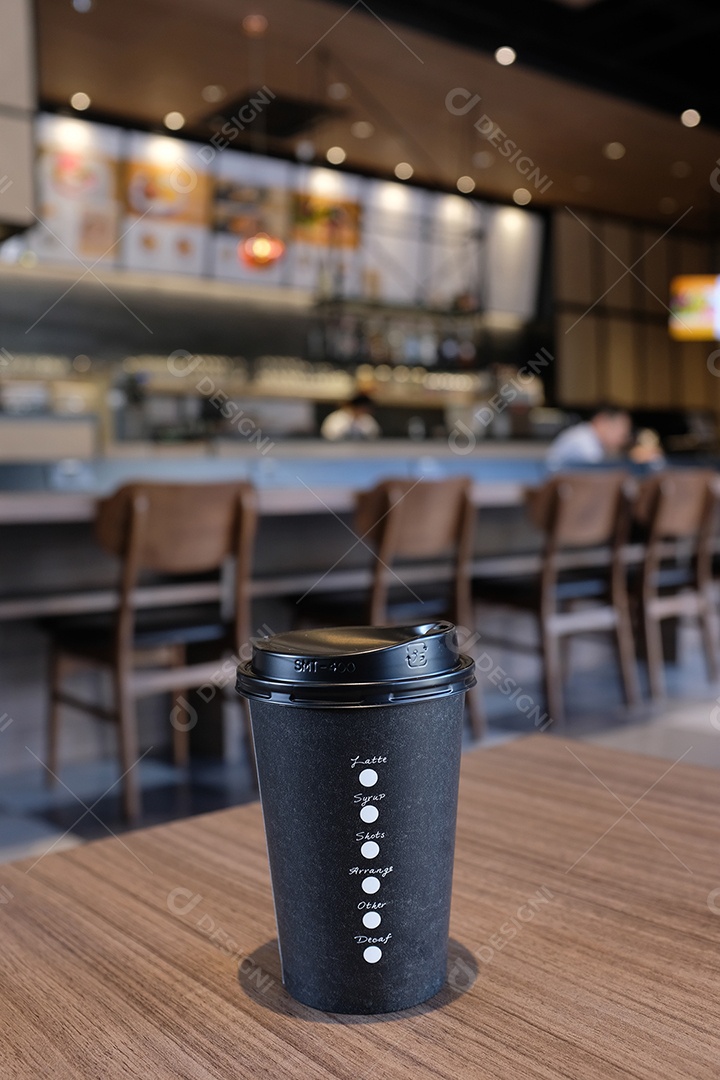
column 695, row 307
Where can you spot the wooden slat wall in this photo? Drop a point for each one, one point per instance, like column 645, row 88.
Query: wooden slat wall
column 577, row 345
column 612, row 340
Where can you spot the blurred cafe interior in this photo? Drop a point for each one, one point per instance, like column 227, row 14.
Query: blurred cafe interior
column 319, row 315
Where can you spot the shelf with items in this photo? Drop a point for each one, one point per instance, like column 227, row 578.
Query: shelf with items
column 34, row 386
column 355, row 331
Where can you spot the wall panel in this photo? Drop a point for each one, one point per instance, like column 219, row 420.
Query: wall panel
column 629, row 355
column 578, row 375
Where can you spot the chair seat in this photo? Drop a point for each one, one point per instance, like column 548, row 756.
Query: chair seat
column 92, row 635
column 668, row 577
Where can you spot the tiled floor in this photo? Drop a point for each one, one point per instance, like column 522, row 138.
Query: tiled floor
column 85, row 806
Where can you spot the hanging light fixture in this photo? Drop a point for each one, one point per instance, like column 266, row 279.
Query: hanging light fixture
column 261, row 250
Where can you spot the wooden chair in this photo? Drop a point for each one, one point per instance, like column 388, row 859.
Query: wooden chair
column 406, row 523
column 677, row 509
column 585, row 520
column 166, row 529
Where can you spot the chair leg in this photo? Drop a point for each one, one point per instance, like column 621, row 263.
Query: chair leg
column 128, row 745
column 553, row 679
column 181, row 732
column 476, row 710
column 565, row 655
column 53, row 728
column 654, row 653
column 180, row 726
column 626, row 657
column 709, row 628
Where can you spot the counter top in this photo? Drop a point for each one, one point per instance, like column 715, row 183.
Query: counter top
column 39, row 507
column 297, row 477
column 585, row 927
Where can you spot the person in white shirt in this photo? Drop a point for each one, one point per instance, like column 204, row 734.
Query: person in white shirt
column 353, row 420
column 603, row 437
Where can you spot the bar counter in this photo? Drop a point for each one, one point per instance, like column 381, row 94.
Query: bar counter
column 50, row 565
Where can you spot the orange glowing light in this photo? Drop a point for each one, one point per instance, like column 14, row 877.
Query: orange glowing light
column 261, row 250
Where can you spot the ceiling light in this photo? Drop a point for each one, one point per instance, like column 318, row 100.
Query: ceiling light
column 213, row 92
column 338, row 91
column 83, row 6
column 690, row 117
column 505, row 55
column 336, row 155
column 483, row 159
column 614, row 151
column 680, row 169
column 668, row 205
column 403, row 170
column 521, row 196
column 362, row 129
column 174, row 120
column 80, row 101
column 254, row 25
column 466, row 184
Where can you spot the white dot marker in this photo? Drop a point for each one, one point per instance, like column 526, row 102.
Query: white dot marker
column 370, row 885
column 368, row 777
column 371, row 919
column 370, row 849
column 372, row 954
column 369, row 814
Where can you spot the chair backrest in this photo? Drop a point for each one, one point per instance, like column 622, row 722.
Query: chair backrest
column 179, row 529
column 414, row 519
column 579, row 509
column 676, row 503
column 175, row 528
column 409, row 520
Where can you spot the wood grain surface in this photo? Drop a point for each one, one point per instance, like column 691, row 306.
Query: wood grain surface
column 585, row 927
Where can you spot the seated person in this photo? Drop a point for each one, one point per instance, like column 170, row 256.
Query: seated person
column 603, row 438
column 353, row 420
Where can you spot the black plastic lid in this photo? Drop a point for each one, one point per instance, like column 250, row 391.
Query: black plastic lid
column 357, row 665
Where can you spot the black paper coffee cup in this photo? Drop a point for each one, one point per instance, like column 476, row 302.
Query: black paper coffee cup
column 357, row 734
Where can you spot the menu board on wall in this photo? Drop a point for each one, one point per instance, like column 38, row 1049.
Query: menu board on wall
column 151, row 202
column 394, row 242
column 78, row 191
column 327, row 222
column 166, row 194
column 456, row 245
column 513, row 246
column 251, row 195
column 326, row 253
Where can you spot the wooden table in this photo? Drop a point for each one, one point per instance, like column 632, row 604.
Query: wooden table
column 594, row 934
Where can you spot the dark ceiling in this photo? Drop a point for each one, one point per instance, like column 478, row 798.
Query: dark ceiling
column 661, row 53
column 642, row 62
